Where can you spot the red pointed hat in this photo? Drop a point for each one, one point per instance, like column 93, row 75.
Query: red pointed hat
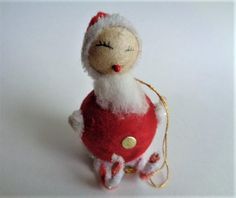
column 98, row 22
column 96, row 18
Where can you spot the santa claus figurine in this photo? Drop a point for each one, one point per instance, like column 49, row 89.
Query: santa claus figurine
column 117, row 121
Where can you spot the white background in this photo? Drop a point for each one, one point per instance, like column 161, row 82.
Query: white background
column 187, row 55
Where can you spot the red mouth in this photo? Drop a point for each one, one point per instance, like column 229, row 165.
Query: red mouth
column 116, row 68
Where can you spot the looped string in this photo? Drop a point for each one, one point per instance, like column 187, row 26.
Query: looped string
column 164, row 143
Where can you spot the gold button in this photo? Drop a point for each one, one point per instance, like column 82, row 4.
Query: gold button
column 129, row 142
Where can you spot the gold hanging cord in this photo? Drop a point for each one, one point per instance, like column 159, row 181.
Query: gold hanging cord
column 164, row 143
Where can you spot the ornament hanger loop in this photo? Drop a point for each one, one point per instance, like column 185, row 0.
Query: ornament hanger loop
column 164, row 143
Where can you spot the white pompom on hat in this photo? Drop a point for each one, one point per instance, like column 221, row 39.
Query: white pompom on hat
column 95, row 27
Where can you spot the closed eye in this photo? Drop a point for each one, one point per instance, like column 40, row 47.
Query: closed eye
column 104, row 44
column 129, row 49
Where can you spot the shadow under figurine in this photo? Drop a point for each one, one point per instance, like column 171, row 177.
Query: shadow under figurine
column 117, row 121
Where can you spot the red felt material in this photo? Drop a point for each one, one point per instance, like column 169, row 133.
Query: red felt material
column 104, row 130
column 154, row 158
column 116, row 168
column 96, row 18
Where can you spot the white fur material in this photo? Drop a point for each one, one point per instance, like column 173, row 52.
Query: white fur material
column 110, row 180
column 115, row 180
column 114, row 20
column 120, row 93
column 77, row 122
column 160, row 112
column 150, row 167
column 117, row 158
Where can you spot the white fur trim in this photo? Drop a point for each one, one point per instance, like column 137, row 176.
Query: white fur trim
column 150, row 167
column 114, row 20
column 77, row 122
column 121, row 94
column 115, row 180
column 117, row 158
column 110, row 181
column 160, row 112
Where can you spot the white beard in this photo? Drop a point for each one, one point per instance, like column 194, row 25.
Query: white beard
column 120, row 93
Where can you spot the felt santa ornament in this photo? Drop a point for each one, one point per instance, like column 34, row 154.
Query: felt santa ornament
column 117, row 121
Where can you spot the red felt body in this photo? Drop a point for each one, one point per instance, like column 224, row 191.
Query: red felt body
column 104, row 130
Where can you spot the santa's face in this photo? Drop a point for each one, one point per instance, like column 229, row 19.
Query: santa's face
column 115, row 50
